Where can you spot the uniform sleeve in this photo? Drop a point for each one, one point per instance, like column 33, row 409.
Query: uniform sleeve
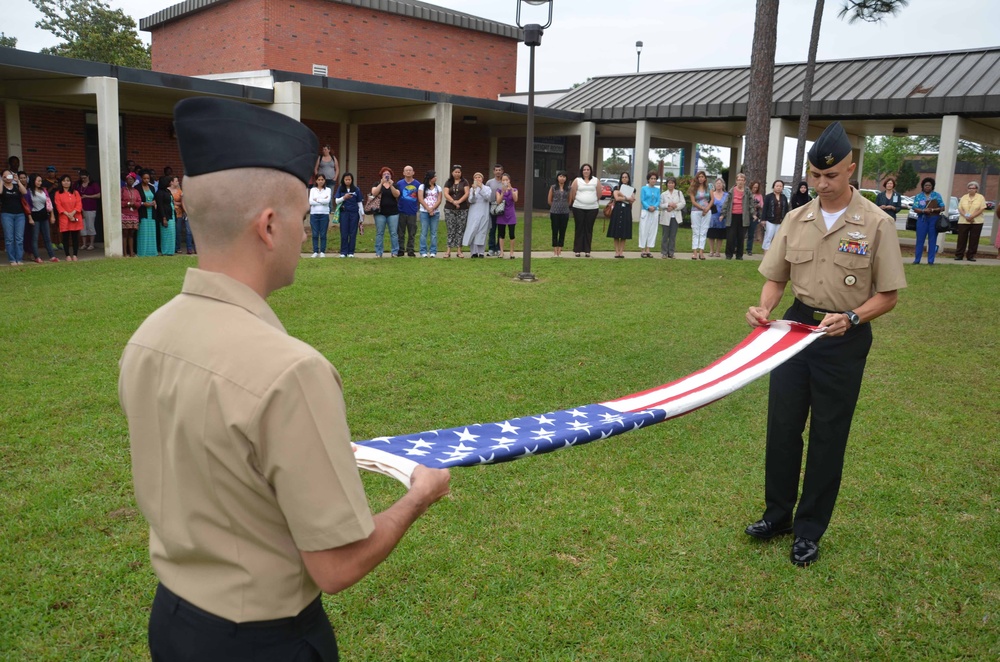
column 887, row 267
column 774, row 266
column 306, row 457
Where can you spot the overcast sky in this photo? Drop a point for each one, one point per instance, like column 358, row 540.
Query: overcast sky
column 597, row 37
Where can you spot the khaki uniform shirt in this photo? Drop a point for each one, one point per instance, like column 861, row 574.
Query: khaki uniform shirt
column 841, row 268
column 241, row 453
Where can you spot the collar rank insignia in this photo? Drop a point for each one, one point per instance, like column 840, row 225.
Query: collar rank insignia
column 856, row 235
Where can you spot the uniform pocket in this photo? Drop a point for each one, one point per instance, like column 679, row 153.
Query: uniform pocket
column 796, row 256
column 852, row 262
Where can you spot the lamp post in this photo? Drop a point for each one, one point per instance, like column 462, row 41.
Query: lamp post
column 532, row 38
column 638, row 55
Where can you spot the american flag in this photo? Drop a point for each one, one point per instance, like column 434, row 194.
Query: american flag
column 490, row 443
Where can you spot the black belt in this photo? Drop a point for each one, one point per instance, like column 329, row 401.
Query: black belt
column 816, row 313
column 174, row 602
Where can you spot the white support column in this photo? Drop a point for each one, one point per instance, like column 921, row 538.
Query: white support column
column 342, row 151
column 494, row 156
column 687, row 168
column 736, row 160
column 442, row 140
column 951, row 131
column 352, row 151
column 12, row 114
column 859, row 158
column 639, row 160
column 109, row 155
column 780, row 129
column 588, row 146
column 288, row 99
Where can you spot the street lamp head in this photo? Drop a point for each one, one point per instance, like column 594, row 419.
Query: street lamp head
column 638, row 46
column 534, row 3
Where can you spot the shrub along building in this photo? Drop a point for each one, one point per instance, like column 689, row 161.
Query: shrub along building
column 397, row 82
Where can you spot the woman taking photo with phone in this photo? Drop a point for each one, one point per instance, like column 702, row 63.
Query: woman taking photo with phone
column 507, row 220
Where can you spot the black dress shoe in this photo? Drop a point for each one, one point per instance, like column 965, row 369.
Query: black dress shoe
column 971, row 259
column 764, row 530
column 804, row 552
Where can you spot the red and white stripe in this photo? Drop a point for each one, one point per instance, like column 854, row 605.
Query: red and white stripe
column 759, row 353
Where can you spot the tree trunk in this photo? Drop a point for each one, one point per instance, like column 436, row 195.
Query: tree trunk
column 807, row 90
column 759, row 103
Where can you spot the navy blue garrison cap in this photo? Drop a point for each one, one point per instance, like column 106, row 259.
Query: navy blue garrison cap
column 830, row 148
column 220, row 134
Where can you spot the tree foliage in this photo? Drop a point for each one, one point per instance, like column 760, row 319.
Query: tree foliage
column 984, row 158
column 870, row 11
column 92, row 30
column 616, row 163
column 908, row 177
column 884, row 155
column 7, row 42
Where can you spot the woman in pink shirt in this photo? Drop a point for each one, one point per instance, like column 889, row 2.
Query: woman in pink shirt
column 740, row 205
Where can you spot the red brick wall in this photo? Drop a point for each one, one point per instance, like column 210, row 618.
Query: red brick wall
column 395, row 146
column 327, row 132
column 470, row 148
column 228, row 37
column 53, row 136
column 356, row 44
column 149, row 143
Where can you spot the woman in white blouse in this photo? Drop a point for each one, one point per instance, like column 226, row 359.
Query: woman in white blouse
column 671, row 207
column 583, row 197
column 319, row 214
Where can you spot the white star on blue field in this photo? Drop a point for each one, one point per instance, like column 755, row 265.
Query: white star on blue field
column 488, row 443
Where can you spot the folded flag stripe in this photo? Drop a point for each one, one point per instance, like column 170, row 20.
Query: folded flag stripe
column 490, row 443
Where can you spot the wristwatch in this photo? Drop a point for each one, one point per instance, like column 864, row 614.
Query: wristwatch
column 853, row 318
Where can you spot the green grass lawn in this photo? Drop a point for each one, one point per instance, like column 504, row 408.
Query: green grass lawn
column 627, row 549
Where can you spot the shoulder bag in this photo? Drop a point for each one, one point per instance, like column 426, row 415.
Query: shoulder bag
column 374, row 203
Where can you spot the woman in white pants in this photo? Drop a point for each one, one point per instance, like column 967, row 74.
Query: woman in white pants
column 649, row 197
column 775, row 209
column 671, row 207
column 701, row 202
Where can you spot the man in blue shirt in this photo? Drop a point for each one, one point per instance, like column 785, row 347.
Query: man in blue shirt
column 408, row 206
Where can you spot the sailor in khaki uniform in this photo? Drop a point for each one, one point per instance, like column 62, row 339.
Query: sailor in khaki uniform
column 841, row 254
column 241, row 453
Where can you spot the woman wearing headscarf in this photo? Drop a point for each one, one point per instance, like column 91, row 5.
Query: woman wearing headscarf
column 801, row 196
column 478, row 225
column 671, row 214
column 131, row 203
column 928, row 205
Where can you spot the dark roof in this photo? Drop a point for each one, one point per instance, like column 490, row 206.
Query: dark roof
column 927, row 84
column 410, row 8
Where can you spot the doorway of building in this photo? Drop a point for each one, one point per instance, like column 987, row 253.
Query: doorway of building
column 550, row 158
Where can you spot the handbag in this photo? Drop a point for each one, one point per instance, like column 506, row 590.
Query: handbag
column 497, row 207
column 608, row 209
column 374, row 203
column 943, row 224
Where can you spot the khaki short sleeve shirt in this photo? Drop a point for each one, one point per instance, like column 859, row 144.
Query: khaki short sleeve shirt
column 841, row 268
column 241, row 452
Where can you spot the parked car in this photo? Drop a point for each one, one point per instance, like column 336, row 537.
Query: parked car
column 608, row 184
column 991, row 204
column 905, row 201
column 911, row 218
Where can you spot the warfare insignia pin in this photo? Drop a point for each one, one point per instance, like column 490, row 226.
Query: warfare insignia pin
column 829, row 159
column 856, row 235
column 850, row 280
column 856, row 217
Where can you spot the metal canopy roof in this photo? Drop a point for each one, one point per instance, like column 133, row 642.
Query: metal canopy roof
column 410, row 8
column 928, row 84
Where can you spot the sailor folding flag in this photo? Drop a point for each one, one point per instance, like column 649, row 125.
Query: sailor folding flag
column 488, row 443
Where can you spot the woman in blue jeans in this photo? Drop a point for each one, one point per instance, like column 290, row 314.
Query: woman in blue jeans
column 928, row 205
column 12, row 205
column 388, row 212
column 319, row 214
column 430, row 199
